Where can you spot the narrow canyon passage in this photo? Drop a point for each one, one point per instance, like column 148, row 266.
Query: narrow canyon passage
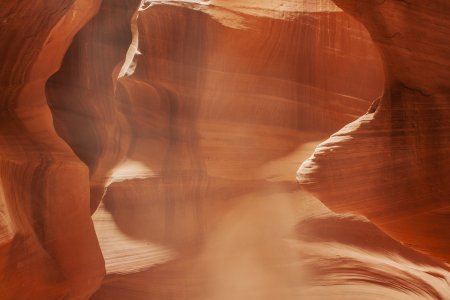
column 178, row 128
column 260, row 237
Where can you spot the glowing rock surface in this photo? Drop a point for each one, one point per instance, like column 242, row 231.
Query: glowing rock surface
column 149, row 149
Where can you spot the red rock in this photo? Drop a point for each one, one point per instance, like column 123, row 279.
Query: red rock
column 179, row 127
column 47, row 237
column 391, row 164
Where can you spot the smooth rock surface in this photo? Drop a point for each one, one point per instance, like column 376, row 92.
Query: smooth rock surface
column 391, row 165
column 48, row 247
column 158, row 142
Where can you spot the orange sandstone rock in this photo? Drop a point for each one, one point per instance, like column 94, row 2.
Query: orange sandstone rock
column 391, row 164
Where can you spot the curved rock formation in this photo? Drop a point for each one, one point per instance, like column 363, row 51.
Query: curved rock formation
column 192, row 91
column 228, row 121
column 179, row 126
column 81, row 96
column 255, row 254
column 47, row 237
column 391, row 164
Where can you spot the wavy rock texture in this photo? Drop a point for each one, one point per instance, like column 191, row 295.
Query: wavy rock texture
column 46, row 234
column 233, row 13
column 193, row 92
column 81, row 96
column 180, row 124
column 226, row 212
column 391, row 164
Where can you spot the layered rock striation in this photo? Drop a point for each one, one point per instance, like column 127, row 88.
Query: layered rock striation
column 200, row 107
column 179, row 126
column 391, row 164
column 48, row 247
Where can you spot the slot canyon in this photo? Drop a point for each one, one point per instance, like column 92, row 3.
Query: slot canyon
column 224, row 149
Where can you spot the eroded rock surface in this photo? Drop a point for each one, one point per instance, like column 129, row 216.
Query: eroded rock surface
column 192, row 92
column 391, row 165
column 48, row 246
column 180, row 124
